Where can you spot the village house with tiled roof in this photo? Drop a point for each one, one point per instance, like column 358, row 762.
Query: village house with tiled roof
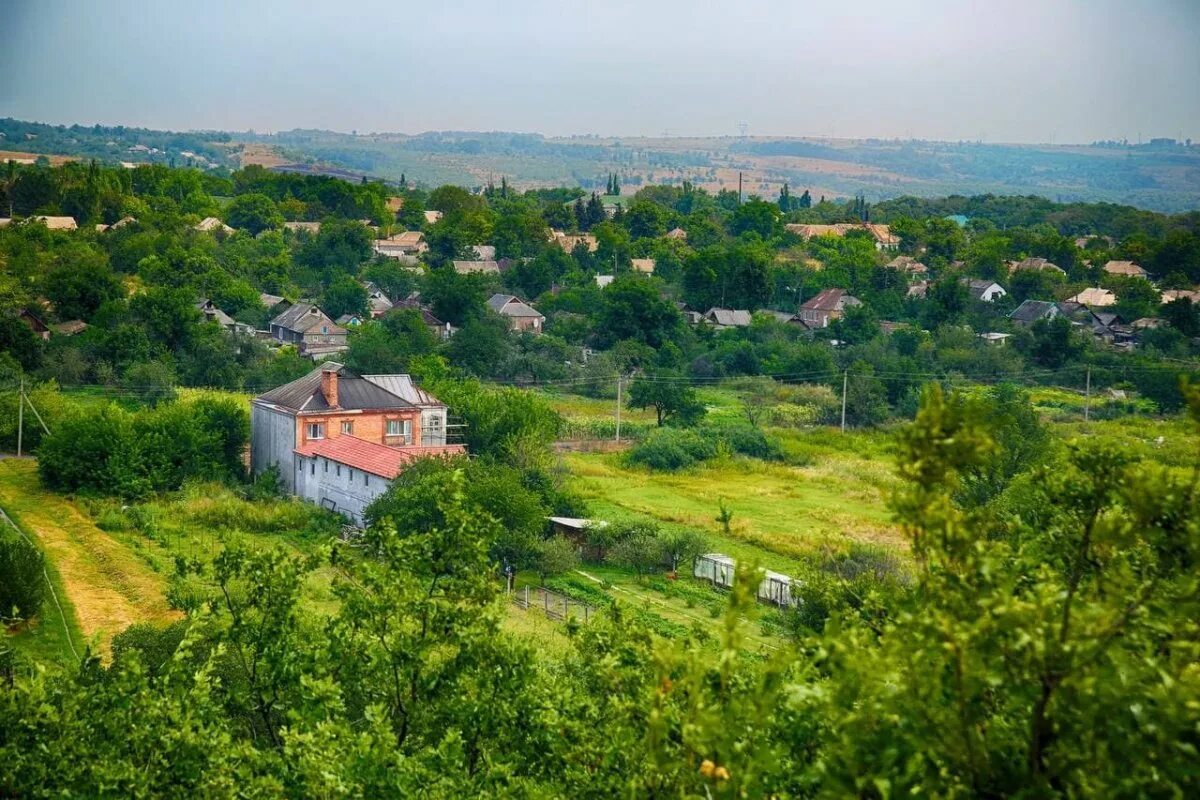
column 338, row 438
column 1036, row 265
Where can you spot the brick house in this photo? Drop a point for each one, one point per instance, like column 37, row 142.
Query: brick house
column 308, row 327
column 826, row 306
column 339, row 438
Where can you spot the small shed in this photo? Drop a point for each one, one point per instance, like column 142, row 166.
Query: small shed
column 574, row 528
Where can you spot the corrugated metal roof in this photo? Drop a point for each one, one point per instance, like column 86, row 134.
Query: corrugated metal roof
column 354, row 393
column 1032, row 310
column 405, row 388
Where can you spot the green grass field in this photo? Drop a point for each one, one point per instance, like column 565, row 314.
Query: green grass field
column 112, row 565
column 102, row 581
column 780, row 512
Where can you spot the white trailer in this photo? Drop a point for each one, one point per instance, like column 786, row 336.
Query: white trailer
column 716, row 568
column 719, row 570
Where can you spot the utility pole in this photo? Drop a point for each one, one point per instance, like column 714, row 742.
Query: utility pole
column 1087, row 396
column 845, row 383
column 20, row 415
column 618, row 408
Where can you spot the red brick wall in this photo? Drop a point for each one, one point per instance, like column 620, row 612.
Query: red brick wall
column 368, row 425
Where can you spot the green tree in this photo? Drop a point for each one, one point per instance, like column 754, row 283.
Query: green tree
column 78, row 288
column 681, row 546
column 254, row 213
column 631, row 308
column 1054, row 343
column 755, row 216
column 672, row 399
column 554, row 557
column 345, row 295
column 22, row 581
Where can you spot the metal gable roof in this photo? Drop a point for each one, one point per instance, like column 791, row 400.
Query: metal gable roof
column 354, row 393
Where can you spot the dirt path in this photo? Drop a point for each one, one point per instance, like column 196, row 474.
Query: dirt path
column 107, row 584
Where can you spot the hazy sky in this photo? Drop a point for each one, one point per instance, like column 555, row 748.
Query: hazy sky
column 1002, row 70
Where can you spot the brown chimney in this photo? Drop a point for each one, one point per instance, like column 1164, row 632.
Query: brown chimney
column 329, row 380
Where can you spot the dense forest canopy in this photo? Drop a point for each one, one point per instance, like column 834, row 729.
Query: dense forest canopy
column 135, row 285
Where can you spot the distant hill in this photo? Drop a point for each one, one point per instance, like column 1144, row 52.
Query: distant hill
column 1163, row 175
column 116, row 144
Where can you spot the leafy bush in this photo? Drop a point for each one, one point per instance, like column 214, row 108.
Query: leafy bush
column 672, row 449
column 746, row 440
column 555, row 556
column 642, row 552
column 115, row 452
column 862, row 580
column 22, row 579
column 153, row 645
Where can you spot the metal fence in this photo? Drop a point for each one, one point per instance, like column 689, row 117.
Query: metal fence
column 555, row 605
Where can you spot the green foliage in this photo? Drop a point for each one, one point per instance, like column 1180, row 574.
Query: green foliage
column 344, row 295
column 500, row 422
column 672, row 399
column 22, row 581
column 1051, row 653
column 671, row 449
column 113, row 451
column 554, row 556
column 254, row 213
column 1020, row 442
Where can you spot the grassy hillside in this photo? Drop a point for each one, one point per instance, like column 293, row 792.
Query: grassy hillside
column 104, row 582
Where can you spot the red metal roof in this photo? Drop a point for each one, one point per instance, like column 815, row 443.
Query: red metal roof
column 377, row 459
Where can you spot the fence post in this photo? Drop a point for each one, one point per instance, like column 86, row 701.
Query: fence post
column 526, row 597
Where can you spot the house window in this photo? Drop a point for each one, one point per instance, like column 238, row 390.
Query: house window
column 366, row 479
column 399, row 427
column 339, row 470
column 348, row 427
column 316, row 430
column 312, row 467
column 326, row 462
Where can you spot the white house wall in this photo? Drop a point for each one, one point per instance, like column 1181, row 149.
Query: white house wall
column 272, row 440
column 337, row 487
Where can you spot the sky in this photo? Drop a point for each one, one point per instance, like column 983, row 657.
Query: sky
column 1040, row 71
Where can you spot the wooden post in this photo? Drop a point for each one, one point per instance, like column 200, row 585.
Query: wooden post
column 1087, row 396
column 618, row 408
column 20, row 415
column 845, row 382
column 526, row 597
